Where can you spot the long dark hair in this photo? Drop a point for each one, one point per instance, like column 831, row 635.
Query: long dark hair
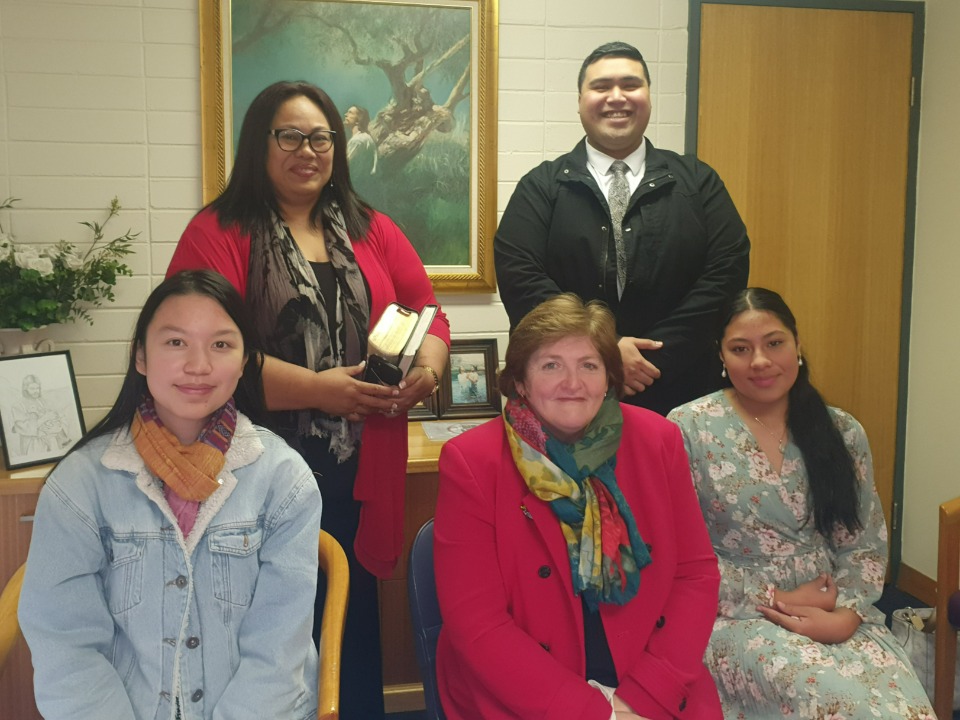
column 207, row 283
column 830, row 468
column 249, row 196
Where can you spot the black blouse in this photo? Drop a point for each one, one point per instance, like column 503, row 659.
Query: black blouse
column 600, row 665
column 327, row 280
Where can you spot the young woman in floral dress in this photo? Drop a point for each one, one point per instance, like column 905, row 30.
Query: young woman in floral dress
column 786, row 488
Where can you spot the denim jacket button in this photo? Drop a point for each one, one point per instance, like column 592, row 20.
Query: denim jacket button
column 180, row 582
column 197, row 696
column 193, row 642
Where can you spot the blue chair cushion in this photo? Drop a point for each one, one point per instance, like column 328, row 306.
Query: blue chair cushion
column 953, row 609
column 425, row 614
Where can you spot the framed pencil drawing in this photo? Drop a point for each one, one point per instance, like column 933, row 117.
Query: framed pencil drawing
column 416, row 84
column 40, row 413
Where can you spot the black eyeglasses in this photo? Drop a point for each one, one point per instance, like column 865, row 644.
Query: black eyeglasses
column 291, row 139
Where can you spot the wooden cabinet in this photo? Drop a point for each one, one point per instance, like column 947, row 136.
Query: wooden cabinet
column 18, row 502
column 403, row 687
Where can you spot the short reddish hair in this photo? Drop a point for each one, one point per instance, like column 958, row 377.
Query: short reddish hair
column 562, row 316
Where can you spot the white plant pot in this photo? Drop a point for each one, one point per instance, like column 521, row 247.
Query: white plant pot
column 14, row 341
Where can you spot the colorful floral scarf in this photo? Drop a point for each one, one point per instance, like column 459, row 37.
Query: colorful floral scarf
column 577, row 481
column 189, row 472
column 289, row 311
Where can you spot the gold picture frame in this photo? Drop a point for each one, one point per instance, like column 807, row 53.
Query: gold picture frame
column 451, row 221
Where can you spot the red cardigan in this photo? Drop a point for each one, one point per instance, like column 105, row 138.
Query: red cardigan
column 393, row 272
column 511, row 645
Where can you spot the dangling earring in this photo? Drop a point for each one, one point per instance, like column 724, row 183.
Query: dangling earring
column 723, row 373
column 799, row 359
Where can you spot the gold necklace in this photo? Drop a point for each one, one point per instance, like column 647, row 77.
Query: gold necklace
column 779, row 438
column 780, row 445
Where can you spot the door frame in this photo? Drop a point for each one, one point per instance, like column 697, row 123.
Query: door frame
column 691, row 128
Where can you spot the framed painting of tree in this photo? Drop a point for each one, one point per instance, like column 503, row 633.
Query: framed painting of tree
column 416, row 85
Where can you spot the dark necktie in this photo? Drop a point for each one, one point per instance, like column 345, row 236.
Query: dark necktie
column 619, row 195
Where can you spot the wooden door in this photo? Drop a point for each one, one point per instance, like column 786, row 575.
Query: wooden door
column 805, row 113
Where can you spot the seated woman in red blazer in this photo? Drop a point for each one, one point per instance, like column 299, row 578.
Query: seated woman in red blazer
column 575, row 576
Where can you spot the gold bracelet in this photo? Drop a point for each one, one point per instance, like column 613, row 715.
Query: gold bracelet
column 436, row 378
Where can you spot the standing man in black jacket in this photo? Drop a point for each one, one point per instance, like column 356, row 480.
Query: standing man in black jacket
column 665, row 271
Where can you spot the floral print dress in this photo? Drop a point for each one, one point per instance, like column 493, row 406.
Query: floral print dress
column 761, row 531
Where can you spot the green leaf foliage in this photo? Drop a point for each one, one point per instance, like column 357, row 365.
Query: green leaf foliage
column 46, row 285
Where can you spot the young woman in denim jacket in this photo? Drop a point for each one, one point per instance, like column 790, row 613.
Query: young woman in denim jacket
column 173, row 564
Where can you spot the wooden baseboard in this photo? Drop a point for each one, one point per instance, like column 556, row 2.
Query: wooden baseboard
column 404, row 698
column 917, row 584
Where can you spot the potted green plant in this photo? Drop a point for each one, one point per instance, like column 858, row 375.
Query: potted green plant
column 58, row 283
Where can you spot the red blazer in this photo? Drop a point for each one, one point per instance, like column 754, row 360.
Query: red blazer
column 511, row 645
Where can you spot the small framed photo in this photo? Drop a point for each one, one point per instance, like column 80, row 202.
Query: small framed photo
column 426, row 409
column 40, row 413
column 469, row 387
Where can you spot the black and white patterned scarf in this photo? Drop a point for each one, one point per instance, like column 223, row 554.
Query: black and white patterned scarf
column 289, row 312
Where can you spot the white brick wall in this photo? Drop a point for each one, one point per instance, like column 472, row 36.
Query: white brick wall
column 101, row 98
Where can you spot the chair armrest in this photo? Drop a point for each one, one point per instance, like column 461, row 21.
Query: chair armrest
column 333, row 562
column 9, row 625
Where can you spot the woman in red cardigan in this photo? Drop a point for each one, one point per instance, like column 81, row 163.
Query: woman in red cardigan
column 575, row 576
column 317, row 266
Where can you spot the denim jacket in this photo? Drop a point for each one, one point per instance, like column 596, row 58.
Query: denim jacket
column 127, row 619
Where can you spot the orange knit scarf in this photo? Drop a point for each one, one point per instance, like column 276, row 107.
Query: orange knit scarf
column 190, row 471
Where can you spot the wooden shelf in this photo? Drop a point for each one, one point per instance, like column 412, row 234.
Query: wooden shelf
column 403, row 687
column 423, row 452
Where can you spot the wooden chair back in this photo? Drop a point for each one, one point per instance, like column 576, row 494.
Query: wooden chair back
column 948, row 585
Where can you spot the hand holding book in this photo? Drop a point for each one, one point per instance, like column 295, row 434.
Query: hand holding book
column 395, row 341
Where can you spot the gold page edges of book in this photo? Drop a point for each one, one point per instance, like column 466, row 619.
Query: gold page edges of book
column 390, row 335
